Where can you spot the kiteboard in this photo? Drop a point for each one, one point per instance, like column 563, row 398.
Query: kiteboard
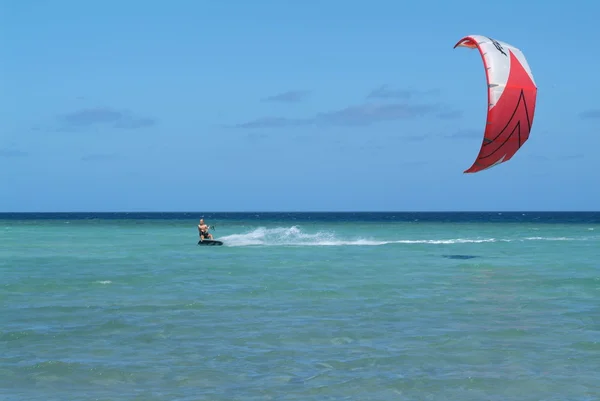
column 210, row 242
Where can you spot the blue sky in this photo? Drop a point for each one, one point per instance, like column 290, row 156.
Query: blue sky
column 192, row 105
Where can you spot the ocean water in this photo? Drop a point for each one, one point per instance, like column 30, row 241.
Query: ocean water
column 314, row 306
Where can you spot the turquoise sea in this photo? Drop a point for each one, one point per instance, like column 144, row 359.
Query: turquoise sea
column 300, row 306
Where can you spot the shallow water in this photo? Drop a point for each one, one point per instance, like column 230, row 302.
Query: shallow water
column 299, row 307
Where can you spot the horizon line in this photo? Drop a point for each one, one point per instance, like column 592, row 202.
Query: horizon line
column 303, row 211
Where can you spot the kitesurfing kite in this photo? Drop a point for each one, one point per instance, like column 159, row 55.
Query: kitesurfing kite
column 511, row 100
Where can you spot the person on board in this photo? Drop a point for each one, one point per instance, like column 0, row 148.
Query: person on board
column 203, row 231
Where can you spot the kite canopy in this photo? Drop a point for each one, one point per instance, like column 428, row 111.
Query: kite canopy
column 511, row 100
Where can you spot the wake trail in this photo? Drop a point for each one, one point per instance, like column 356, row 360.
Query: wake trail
column 294, row 236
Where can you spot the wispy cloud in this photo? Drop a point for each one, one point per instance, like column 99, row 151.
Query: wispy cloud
column 382, row 104
column 99, row 157
column 590, row 114
column 466, row 134
column 460, row 134
column 99, row 116
column 293, row 96
column 359, row 115
column 255, row 137
column 450, row 115
column 11, row 153
column 387, row 92
column 271, row 122
column 367, row 114
column 415, row 138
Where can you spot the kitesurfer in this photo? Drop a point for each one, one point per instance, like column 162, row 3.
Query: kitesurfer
column 203, row 231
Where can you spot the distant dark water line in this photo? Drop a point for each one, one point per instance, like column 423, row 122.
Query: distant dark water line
column 433, row 217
